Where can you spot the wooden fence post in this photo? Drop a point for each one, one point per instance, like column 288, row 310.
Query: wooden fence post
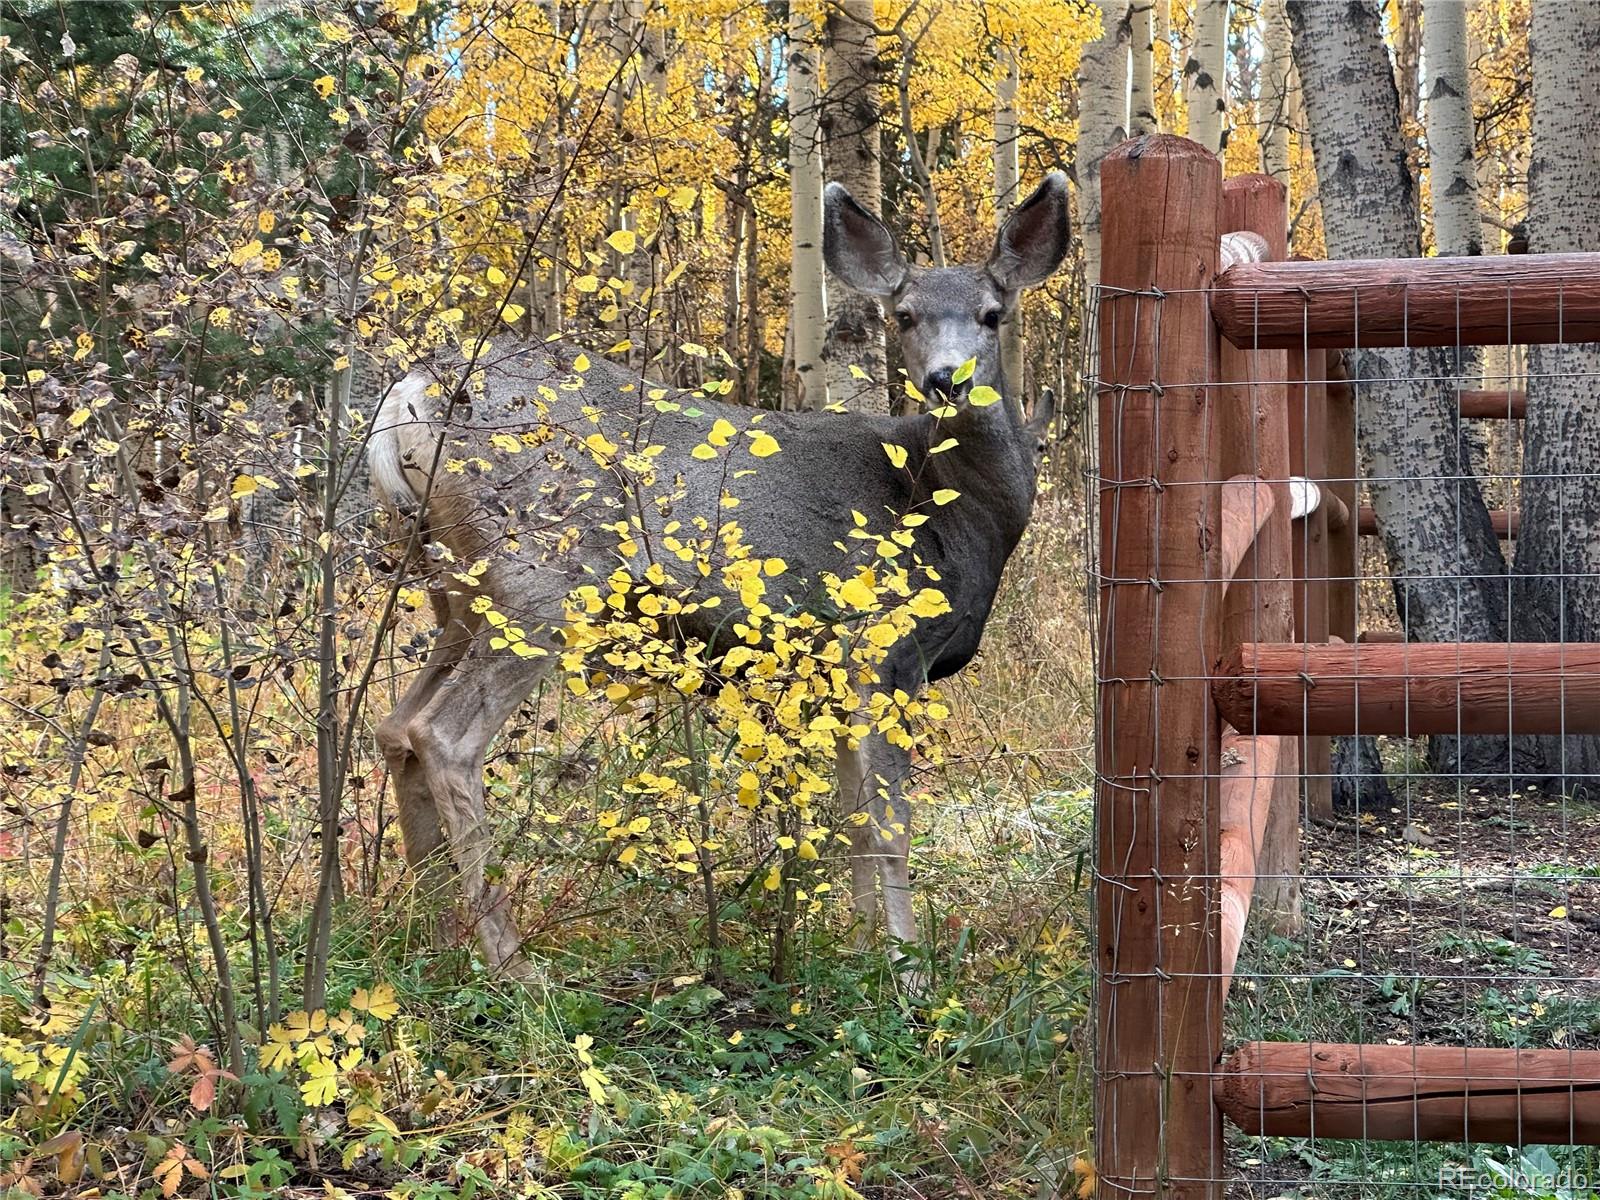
column 1158, row 746
column 1255, row 440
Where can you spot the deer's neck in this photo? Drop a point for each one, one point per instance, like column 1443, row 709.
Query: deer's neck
column 992, row 462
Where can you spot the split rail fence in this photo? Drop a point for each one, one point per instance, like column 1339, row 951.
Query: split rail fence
column 1228, row 654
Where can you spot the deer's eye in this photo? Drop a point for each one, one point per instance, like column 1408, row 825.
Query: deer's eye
column 904, row 319
column 991, row 318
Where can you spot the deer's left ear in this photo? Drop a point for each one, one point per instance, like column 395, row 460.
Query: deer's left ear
column 1035, row 238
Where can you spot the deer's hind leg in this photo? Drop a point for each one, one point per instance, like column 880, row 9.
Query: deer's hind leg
column 419, row 817
column 450, row 736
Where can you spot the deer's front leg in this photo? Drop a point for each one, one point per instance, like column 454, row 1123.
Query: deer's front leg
column 880, row 834
column 853, row 799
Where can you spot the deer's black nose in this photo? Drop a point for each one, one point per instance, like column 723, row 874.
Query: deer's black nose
column 941, row 381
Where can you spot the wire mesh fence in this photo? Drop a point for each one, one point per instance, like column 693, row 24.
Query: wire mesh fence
column 1348, row 733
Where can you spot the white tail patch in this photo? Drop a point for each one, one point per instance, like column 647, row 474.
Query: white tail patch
column 401, row 446
column 1243, row 247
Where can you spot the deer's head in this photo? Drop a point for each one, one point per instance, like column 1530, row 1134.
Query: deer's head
column 948, row 315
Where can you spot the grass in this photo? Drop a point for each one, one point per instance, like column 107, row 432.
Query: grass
column 634, row 1066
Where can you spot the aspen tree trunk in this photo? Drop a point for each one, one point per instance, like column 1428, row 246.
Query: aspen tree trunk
column 1164, row 57
column 1408, row 75
column 1205, row 75
column 1442, row 550
column 852, row 128
column 1276, row 67
column 1452, row 173
column 1142, row 117
column 1006, row 181
column 808, row 316
column 1102, row 124
column 1556, row 588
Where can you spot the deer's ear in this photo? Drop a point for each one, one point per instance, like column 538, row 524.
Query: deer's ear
column 1035, row 238
column 857, row 247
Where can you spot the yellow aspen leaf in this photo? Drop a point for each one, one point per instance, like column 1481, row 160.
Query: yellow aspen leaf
column 247, row 253
column 858, row 592
column 586, row 283
column 617, row 692
column 623, row 241
column 581, row 363
column 947, row 444
column 982, row 396
column 764, row 445
column 324, row 86
column 770, row 883
column 702, row 452
column 79, row 415
column 629, row 853
column 495, row 276
column 857, row 373
column 945, row 495
column 683, row 198
column 1559, row 912
column 897, row 454
column 512, row 313
column 721, row 432
column 807, row 851
column 964, row 371
column 598, row 443
column 244, row 485
column 267, row 221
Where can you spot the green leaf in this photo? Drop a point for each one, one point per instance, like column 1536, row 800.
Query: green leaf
column 964, row 371
column 982, row 396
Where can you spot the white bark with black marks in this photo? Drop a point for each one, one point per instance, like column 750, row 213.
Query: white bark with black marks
column 1206, row 76
column 1102, row 124
column 852, row 129
column 1556, row 593
column 1452, row 173
column 1007, row 177
column 808, row 315
column 1441, row 547
column 1142, row 116
column 1277, row 69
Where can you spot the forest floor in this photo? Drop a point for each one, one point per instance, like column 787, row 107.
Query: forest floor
column 1464, row 915
column 636, row 1065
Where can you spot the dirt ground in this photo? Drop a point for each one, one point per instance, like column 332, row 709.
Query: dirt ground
column 1464, row 915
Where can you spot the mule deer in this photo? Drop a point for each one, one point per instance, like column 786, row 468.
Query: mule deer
column 540, row 524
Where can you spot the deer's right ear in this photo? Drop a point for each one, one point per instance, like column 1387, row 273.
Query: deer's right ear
column 857, row 247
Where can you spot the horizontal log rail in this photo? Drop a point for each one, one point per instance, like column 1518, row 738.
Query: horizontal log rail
column 1506, row 524
column 1506, row 405
column 1493, row 300
column 1412, row 1093
column 1411, row 689
column 1381, row 636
